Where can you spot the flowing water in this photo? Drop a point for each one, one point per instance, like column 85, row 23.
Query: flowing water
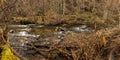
column 40, row 35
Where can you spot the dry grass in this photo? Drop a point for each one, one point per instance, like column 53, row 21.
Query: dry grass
column 100, row 45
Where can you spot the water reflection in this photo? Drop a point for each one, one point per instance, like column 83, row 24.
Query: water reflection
column 21, row 32
column 22, row 35
column 77, row 29
column 41, row 32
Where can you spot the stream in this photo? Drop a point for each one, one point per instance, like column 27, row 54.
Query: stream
column 39, row 35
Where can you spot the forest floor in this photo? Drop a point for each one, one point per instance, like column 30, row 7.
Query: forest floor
column 60, row 30
column 100, row 44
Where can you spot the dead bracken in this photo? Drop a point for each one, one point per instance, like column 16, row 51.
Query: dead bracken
column 59, row 30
